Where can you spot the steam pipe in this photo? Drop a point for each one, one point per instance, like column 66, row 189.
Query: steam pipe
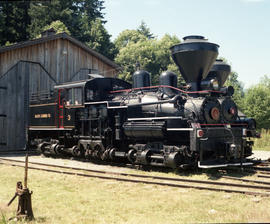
column 173, row 100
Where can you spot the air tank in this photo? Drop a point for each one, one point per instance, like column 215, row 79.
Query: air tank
column 194, row 58
column 141, row 78
column 220, row 70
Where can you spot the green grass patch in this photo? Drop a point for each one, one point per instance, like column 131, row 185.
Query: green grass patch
column 61, row 198
column 263, row 143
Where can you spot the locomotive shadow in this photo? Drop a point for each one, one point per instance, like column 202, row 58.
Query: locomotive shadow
column 216, row 174
column 212, row 174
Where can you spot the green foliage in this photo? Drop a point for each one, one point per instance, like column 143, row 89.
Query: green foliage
column 152, row 54
column 128, row 36
column 3, row 219
column 58, row 26
column 145, row 31
column 74, row 14
column 14, row 21
column 100, row 39
column 238, row 89
column 83, row 19
column 257, row 104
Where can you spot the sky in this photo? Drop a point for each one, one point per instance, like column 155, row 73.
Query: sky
column 240, row 27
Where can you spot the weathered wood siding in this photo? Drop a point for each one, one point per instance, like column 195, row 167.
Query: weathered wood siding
column 15, row 88
column 61, row 58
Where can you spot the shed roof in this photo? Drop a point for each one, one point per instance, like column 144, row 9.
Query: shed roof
column 59, row 36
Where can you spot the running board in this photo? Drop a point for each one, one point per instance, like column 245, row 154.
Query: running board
column 223, row 165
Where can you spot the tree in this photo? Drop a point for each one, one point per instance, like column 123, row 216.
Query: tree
column 164, row 56
column 152, row 54
column 83, row 19
column 128, row 36
column 14, row 21
column 74, row 14
column 58, row 26
column 238, row 88
column 257, row 104
column 145, row 31
column 100, row 39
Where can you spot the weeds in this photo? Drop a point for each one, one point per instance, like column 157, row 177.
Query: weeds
column 3, row 219
column 263, row 143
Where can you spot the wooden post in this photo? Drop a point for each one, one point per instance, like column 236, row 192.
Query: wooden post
column 24, row 209
column 26, row 170
column 25, row 204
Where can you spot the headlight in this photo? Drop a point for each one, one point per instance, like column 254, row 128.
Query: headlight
column 214, row 84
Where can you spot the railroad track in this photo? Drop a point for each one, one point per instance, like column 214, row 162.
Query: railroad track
column 262, row 187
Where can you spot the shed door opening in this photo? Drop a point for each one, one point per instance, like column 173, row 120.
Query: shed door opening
column 3, row 117
column 3, row 128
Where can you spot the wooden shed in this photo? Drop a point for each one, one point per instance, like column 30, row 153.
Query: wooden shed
column 35, row 66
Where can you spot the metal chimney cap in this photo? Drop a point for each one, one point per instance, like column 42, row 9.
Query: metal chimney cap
column 194, row 58
column 198, row 37
column 219, row 64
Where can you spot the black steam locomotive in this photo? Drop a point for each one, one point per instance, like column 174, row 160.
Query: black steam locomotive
column 110, row 119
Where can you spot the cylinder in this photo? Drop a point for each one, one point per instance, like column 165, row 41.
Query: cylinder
column 144, row 129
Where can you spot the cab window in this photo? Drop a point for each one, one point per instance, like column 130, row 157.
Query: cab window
column 74, row 96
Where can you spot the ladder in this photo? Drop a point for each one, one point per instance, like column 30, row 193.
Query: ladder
column 60, row 110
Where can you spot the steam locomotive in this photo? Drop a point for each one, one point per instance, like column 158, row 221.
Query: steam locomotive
column 111, row 120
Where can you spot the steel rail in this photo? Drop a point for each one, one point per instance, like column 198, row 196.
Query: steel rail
column 261, row 168
column 264, row 172
column 251, row 170
column 151, row 177
column 147, row 176
column 263, row 176
column 246, row 180
column 146, row 182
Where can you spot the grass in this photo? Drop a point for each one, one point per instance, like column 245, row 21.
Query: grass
column 71, row 199
column 263, row 143
column 3, row 219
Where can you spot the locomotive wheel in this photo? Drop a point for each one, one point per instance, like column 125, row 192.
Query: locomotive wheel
column 76, row 151
column 111, row 153
column 145, row 157
column 132, row 155
column 174, row 160
column 98, row 152
column 55, row 149
column 105, row 154
column 41, row 148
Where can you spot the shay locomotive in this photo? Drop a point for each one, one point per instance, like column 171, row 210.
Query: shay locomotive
column 110, row 119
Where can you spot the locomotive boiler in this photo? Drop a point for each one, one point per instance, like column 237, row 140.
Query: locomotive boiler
column 165, row 125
